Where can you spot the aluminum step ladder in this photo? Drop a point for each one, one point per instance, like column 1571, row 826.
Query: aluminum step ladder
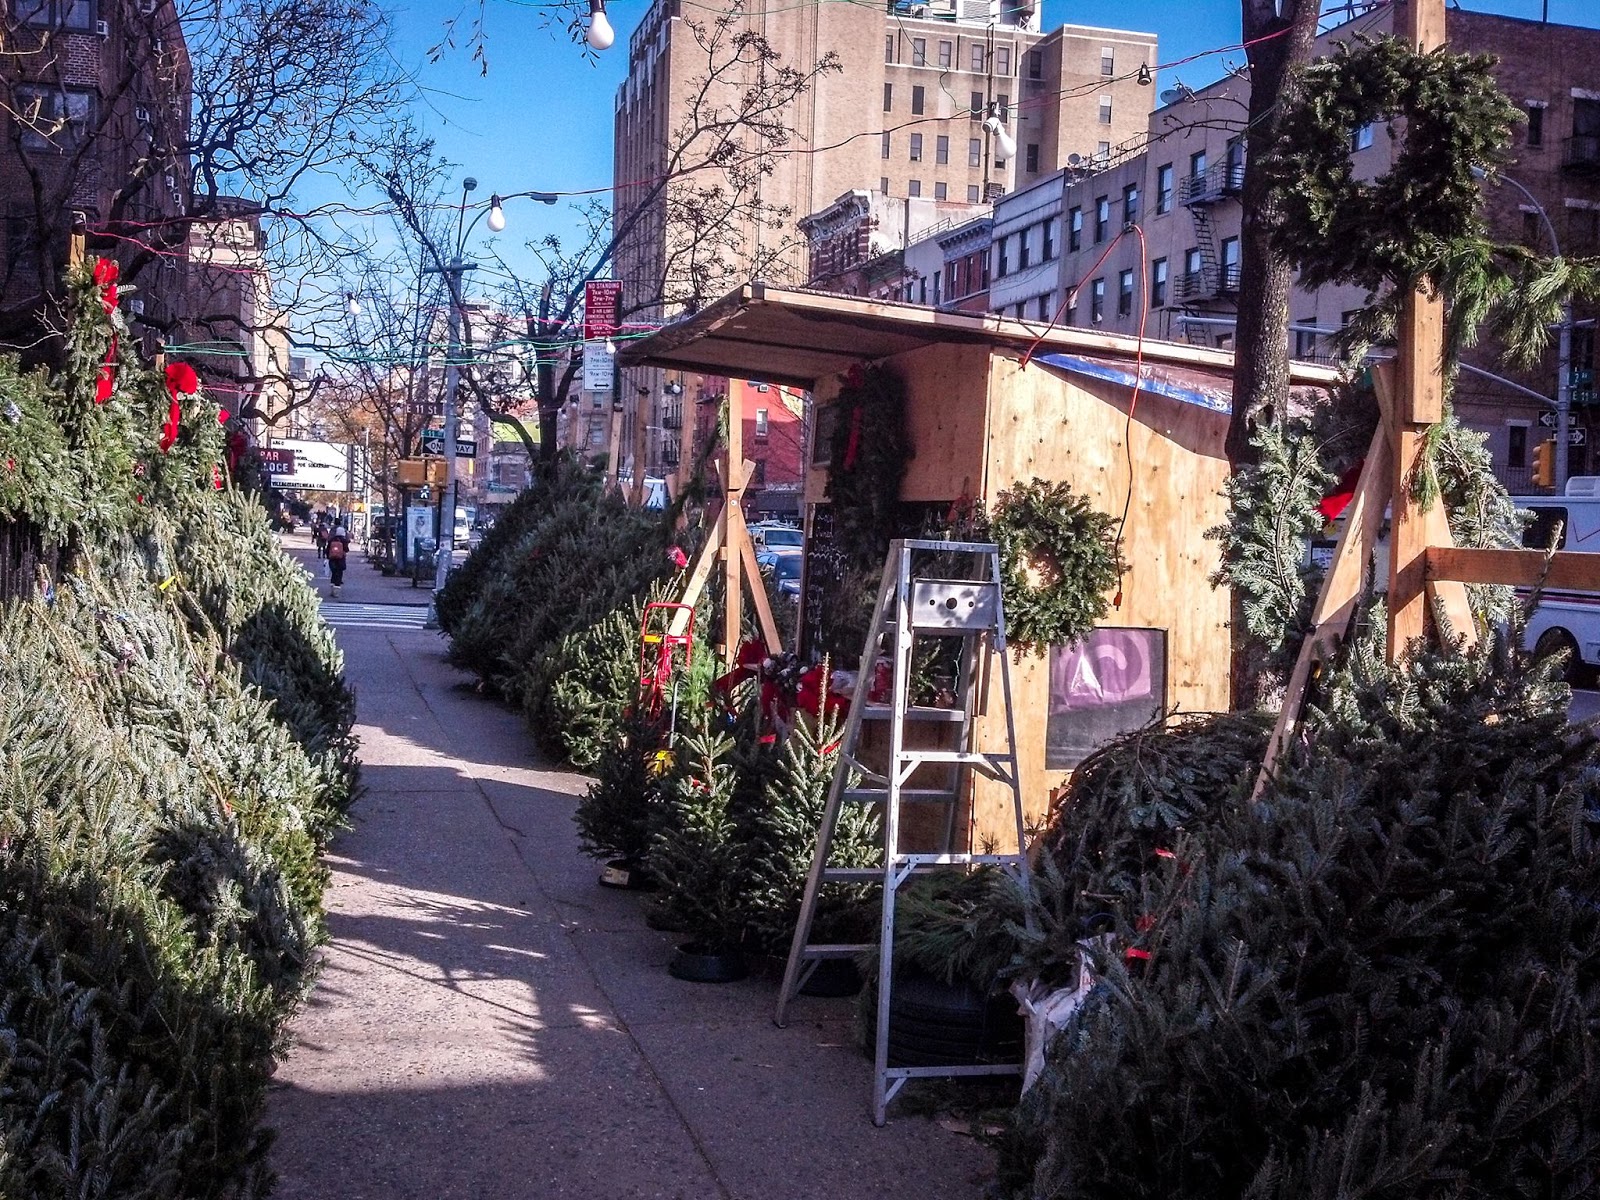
column 909, row 607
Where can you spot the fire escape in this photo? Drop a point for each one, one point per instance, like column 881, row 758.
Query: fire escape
column 1200, row 193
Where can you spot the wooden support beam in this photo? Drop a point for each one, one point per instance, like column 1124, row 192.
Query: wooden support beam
column 758, row 590
column 641, row 417
column 1419, row 401
column 699, row 576
column 1566, row 569
column 614, row 444
column 733, row 477
column 1447, row 597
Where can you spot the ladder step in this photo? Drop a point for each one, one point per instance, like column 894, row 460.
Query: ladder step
column 852, row 874
column 917, row 712
column 837, row 949
column 860, row 795
column 957, row 757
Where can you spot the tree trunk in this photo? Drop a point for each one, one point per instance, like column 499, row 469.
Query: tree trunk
column 1261, row 340
column 1279, row 36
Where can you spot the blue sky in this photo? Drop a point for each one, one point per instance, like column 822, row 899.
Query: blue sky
column 541, row 118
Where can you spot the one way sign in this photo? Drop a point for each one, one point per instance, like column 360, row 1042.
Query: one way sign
column 433, row 443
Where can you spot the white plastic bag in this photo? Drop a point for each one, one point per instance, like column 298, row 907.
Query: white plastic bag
column 1044, row 1011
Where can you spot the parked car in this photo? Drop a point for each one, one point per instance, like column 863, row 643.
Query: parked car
column 771, row 539
column 785, row 566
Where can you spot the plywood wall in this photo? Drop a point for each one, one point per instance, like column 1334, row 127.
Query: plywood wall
column 1077, row 430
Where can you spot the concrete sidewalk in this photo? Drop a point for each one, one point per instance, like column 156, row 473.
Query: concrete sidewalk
column 363, row 583
column 490, row 1023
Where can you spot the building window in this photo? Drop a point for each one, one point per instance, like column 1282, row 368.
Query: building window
column 1130, row 204
column 1191, row 267
column 1044, row 307
column 1097, row 301
column 922, row 290
column 1049, row 239
column 52, row 118
column 761, row 423
column 1102, row 151
column 1033, row 157
column 1002, row 61
column 1360, row 138
column 1158, row 283
column 883, row 185
column 1108, row 61
column 916, row 101
column 1102, row 218
column 1163, row 188
column 1075, row 229
column 914, row 188
column 945, row 54
column 1197, row 165
column 1530, row 229
column 1516, row 446
column 977, row 109
column 55, row 14
column 1230, row 264
column 1002, row 265
column 975, row 152
column 1105, row 110
column 888, row 97
column 886, row 145
column 1125, row 294
column 972, row 193
column 941, row 191
column 1535, row 124
column 941, row 149
column 919, row 52
column 916, row 147
column 1002, row 104
column 888, row 49
column 1035, row 64
column 979, row 60
column 1022, row 250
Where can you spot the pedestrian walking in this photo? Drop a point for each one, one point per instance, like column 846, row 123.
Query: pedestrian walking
column 338, row 551
column 319, row 535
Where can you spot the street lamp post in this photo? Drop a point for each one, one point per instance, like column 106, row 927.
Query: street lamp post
column 452, row 272
column 1563, row 345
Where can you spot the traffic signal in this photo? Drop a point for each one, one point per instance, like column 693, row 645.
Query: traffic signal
column 1544, row 463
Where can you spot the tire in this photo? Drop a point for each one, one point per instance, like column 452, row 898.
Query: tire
column 1556, row 641
column 937, row 1024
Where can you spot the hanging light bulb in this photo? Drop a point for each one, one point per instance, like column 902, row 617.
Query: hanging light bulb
column 611, row 347
column 1144, row 74
column 497, row 215
column 353, row 303
column 600, row 35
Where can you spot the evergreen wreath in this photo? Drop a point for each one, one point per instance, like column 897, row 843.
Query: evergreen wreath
column 1407, row 224
column 1058, row 559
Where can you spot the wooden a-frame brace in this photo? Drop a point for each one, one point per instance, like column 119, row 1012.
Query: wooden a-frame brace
column 738, row 560
column 1426, row 568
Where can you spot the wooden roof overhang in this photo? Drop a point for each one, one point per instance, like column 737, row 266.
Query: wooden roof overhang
column 796, row 337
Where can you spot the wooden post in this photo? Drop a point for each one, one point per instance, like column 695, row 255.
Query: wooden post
column 1419, row 402
column 75, row 240
column 732, row 520
column 614, row 444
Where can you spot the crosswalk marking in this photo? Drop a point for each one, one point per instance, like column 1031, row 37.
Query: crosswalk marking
column 343, row 614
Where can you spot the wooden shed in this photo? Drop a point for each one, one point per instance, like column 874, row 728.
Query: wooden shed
column 980, row 421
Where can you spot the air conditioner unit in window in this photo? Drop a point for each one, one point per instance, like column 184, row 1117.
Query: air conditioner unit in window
column 103, row 28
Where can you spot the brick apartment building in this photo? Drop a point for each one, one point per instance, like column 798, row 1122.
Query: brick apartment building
column 903, row 119
column 94, row 96
column 1183, row 190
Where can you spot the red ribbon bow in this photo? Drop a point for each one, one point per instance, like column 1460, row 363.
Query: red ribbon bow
column 181, row 380
column 105, row 276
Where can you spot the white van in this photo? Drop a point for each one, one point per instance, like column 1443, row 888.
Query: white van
column 1566, row 620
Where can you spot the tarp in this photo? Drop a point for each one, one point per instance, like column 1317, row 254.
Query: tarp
column 1204, row 389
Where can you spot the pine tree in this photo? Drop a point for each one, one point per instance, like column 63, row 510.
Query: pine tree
column 1379, row 981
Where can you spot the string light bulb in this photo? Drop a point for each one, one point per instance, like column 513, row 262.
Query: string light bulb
column 611, row 346
column 1144, row 74
column 600, row 34
column 497, row 215
column 353, row 303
